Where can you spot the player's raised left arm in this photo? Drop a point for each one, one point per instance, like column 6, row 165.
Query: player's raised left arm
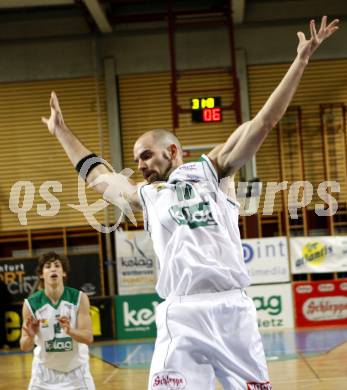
column 246, row 140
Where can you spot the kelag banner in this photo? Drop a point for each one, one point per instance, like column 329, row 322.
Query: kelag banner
column 100, row 311
column 135, row 315
column 274, row 305
column 267, row 259
column 136, row 262
column 321, row 303
column 318, row 254
column 20, row 275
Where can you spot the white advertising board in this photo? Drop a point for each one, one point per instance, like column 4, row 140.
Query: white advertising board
column 267, row 259
column 136, row 262
column 274, row 304
column 318, row 254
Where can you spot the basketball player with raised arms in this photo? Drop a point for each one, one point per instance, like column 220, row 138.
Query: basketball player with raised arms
column 206, row 326
column 56, row 321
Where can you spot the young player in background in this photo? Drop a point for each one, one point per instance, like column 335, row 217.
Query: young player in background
column 56, row 321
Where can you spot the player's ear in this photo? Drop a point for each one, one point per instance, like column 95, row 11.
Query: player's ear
column 173, row 150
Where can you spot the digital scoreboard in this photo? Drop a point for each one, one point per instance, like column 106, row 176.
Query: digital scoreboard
column 208, row 109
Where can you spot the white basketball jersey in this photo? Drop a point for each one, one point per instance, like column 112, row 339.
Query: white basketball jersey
column 194, row 227
column 55, row 349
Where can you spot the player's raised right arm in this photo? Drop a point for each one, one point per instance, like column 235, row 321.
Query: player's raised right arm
column 78, row 154
column 30, row 328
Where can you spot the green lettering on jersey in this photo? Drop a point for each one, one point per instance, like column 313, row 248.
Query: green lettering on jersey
column 194, row 216
column 63, row 344
column 57, row 328
column 185, row 191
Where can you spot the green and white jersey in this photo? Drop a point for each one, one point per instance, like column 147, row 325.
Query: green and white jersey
column 194, row 227
column 55, row 349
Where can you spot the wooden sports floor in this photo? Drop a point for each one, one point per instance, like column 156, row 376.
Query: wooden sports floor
column 314, row 360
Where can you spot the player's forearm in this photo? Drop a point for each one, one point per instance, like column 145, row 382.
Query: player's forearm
column 26, row 342
column 84, row 336
column 278, row 102
column 72, row 146
column 76, row 151
column 247, row 139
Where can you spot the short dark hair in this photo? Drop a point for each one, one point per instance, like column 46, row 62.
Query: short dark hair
column 50, row 257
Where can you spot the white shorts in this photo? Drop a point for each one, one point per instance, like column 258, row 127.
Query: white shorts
column 204, row 336
column 43, row 378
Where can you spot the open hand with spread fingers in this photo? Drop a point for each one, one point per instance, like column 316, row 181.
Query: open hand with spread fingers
column 55, row 121
column 307, row 47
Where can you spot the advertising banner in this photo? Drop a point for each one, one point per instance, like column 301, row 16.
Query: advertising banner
column 136, row 262
column 100, row 311
column 267, row 260
column 318, row 254
column 13, row 324
column 135, row 315
column 321, row 303
column 20, row 275
column 274, row 305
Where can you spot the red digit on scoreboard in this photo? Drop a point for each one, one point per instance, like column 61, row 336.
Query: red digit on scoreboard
column 211, row 114
column 216, row 114
column 207, row 114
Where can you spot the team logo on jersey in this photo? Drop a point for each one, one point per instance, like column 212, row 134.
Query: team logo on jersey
column 63, row 344
column 44, row 323
column 194, row 216
column 160, row 186
column 259, row 386
column 168, row 380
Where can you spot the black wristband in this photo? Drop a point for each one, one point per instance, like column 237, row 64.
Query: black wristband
column 86, row 172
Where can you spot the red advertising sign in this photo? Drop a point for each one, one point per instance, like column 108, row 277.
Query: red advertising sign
column 321, row 303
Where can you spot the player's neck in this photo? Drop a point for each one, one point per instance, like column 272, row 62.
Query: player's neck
column 172, row 168
column 54, row 292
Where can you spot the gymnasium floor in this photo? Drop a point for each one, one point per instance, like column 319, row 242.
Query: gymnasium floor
column 314, row 359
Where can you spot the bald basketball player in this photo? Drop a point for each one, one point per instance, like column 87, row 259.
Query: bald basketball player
column 207, row 325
